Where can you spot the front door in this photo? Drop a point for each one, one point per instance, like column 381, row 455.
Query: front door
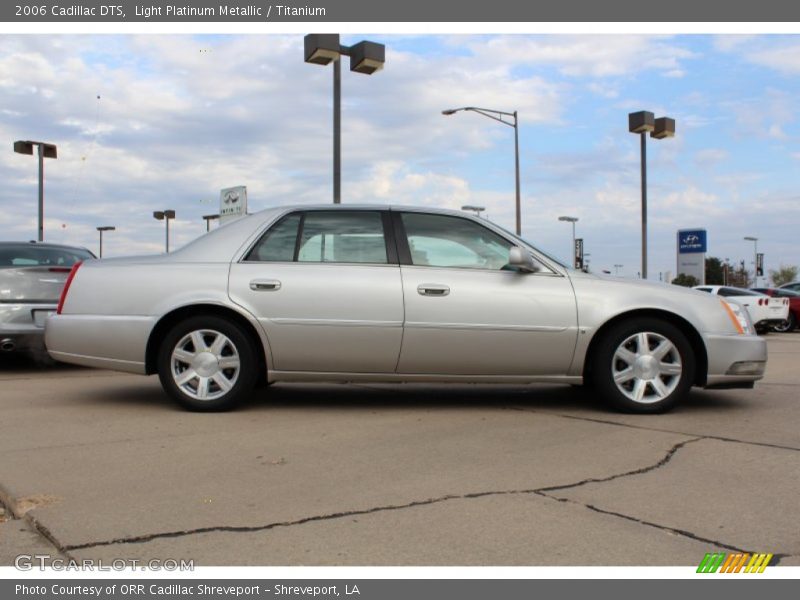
column 467, row 313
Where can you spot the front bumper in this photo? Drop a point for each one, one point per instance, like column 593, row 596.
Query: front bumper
column 735, row 360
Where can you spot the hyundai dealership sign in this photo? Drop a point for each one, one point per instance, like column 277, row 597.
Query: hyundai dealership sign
column 691, row 241
column 692, row 248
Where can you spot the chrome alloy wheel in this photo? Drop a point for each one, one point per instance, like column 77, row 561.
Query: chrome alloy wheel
column 205, row 364
column 646, row 367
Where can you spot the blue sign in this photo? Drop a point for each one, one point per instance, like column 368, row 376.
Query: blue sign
column 692, row 241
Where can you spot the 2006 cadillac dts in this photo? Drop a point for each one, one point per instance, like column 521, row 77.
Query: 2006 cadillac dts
column 370, row 293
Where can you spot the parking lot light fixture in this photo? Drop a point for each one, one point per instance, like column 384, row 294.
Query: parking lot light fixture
column 750, row 238
column 500, row 116
column 476, row 209
column 45, row 151
column 642, row 123
column 208, row 219
column 101, row 230
column 365, row 57
column 165, row 215
column 572, row 220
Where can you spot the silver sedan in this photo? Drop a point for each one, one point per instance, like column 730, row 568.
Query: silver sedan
column 392, row 294
column 31, row 277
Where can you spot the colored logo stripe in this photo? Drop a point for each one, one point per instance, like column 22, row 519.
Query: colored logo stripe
column 733, row 563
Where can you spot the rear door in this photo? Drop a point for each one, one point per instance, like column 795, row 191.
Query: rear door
column 325, row 285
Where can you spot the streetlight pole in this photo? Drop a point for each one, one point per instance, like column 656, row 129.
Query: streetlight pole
column 572, row 220
column 365, row 57
column 45, row 151
column 165, row 215
column 643, row 122
column 498, row 115
column 750, row 238
column 101, row 230
column 208, row 219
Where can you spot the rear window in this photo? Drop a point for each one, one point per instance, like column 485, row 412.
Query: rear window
column 37, row 256
column 733, row 292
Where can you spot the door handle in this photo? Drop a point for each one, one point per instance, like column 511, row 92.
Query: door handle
column 265, row 285
column 433, row 289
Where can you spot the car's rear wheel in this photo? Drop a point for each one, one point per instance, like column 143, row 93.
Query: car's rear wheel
column 786, row 326
column 643, row 365
column 207, row 363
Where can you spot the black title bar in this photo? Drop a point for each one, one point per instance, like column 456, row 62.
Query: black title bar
column 363, row 11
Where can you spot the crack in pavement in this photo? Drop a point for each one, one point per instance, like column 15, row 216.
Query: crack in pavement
column 658, row 465
column 660, row 430
column 9, row 505
column 541, row 491
column 617, row 423
column 776, row 558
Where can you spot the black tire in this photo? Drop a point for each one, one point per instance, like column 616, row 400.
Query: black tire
column 204, row 369
column 658, row 381
column 788, row 325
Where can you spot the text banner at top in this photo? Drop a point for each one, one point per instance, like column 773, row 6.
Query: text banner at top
column 366, row 11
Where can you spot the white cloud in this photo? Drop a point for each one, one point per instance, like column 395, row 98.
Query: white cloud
column 785, row 58
column 710, row 157
column 588, row 55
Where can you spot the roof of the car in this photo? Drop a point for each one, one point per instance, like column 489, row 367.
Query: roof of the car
column 364, row 206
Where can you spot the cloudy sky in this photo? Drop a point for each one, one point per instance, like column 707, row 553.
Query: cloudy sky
column 147, row 122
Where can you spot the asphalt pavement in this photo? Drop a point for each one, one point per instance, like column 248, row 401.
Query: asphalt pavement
column 95, row 464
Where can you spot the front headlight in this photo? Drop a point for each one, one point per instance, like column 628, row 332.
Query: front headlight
column 739, row 317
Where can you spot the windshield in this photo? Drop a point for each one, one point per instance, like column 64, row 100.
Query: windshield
column 30, row 255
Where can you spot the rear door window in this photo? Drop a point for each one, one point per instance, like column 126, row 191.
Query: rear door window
column 336, row 236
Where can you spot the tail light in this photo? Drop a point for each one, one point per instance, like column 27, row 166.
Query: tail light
column 60, row 269
column 68, row 283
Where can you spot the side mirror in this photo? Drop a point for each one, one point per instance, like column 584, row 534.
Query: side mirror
column 521, row 259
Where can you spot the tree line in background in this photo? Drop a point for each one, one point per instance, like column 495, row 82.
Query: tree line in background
column 719, row 272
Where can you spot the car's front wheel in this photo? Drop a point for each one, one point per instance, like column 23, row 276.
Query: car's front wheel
column 786, row 326
column 643, row 365
column 207, row 363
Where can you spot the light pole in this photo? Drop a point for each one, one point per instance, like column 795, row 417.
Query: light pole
column 45, row 151
column 644, row 122
column 208, row 219
column 498, row 115
column 365, row 57
column 101, row 230
column 476, row 209
column 750, row 238
column 616, row 269
column 165, row 215
column 572, row 220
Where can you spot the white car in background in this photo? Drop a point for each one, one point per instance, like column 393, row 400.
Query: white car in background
column 764, row 311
